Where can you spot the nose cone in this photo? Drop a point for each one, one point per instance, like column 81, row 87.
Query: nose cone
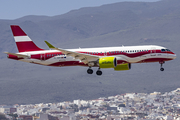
column 172, row 56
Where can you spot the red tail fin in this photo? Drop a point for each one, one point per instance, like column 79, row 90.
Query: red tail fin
column 23, row 42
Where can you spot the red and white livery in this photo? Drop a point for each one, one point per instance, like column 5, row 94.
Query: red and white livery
column 118, row 58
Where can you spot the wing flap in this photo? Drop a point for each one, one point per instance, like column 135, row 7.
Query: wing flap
column 85, row 58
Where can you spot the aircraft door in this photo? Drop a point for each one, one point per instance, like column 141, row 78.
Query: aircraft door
column 153, row 51
column 42, row 56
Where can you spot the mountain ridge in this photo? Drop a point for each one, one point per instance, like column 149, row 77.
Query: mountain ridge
column 140, row 23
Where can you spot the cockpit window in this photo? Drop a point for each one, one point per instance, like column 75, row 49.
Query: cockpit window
column 163, row 50
column 167, row 50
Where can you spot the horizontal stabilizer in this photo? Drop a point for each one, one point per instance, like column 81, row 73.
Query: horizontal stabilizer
column 18, row 55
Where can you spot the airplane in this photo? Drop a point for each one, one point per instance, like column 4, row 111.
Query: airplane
column 118, row 58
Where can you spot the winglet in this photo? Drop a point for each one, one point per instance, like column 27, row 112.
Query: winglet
column 49, row 45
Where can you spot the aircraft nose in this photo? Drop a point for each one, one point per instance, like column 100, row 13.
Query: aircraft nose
column 173, row 56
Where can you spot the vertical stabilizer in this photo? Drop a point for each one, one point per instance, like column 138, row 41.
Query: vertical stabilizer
column 23, row 42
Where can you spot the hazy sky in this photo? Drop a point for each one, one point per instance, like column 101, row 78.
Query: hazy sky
column 12, row 9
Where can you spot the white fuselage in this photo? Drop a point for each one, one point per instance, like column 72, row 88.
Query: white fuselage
column 130, row 54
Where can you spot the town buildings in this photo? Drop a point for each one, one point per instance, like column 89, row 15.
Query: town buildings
column 129, row 106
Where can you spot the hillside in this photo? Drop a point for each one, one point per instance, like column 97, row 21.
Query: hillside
column 124, row 23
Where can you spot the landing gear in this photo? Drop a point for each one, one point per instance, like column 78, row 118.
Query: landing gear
column 90, row 71
column 161, row 62
column 99, row 72
column 162, row 69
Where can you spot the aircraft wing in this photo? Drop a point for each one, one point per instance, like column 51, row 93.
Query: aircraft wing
column 18, row 55
column 85, row 58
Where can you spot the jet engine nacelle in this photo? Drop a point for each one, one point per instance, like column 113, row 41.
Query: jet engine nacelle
column 121, row 67
column 111, row 62
column 107, row 62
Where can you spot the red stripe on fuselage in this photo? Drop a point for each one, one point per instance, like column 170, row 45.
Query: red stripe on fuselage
column 131, row 55
column 68, row 63
column 27, row 46
column 154, row 60
column 77, row 63
column 46, row 56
